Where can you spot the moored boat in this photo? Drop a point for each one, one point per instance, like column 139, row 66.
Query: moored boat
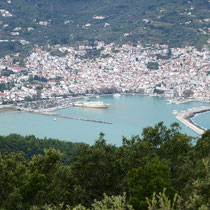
column 116, row 95
column 91, row 104
column 175, row 111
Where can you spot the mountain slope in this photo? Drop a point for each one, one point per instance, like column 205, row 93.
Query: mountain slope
column 176, row 23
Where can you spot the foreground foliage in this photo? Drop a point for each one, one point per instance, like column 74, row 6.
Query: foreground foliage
column 161, row 169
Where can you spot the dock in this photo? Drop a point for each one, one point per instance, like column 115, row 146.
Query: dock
column 185, row 118
column 68, row 117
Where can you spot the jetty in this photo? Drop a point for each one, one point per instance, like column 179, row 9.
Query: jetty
column 185, row 118
column 68, row 117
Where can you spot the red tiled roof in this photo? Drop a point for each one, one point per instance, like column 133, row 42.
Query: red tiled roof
column 17, row 68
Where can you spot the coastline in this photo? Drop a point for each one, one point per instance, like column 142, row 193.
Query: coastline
column 192, row 119
column 182, row 101
column 24, row 121
column 12, row 108
column 185, row 118
column 6, row 108
column 9, row 109
column 172, row 100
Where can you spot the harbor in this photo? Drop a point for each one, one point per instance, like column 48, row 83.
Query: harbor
column 185, row 118
column 129, row 114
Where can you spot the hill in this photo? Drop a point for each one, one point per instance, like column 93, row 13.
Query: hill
column 177, row 23
column 30, row 146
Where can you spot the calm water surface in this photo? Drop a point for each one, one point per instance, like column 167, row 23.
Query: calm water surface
column 128, row 114
column 202, row 120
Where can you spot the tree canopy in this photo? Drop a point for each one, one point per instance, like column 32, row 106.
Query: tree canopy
column 51, row 174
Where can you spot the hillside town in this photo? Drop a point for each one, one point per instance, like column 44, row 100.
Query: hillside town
column 175, row 73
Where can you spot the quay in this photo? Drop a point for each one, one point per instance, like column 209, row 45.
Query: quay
column 68, row 117
column 185, row 118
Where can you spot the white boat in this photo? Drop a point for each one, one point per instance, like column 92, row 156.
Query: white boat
column 116, row 95
column 55, row 119
column 91, row 104
column 169, row 101
column 175, row 111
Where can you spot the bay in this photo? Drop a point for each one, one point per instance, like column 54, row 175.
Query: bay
column 202, row 120
column 129, row 114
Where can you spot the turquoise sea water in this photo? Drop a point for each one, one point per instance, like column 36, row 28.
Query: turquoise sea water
column 202, row 120
column 128, row 114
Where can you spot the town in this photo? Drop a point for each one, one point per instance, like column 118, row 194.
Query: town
column 174, row 73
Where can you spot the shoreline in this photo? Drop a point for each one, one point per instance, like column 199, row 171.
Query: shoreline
column 7, row 108
column 73, row 98
column 185, row 118
column 197, row 114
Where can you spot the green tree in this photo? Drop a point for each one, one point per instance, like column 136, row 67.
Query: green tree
column 42, row 169
column 130, row 155
column 201, row 190
column 153, row 65
column 107, row 203
column 112, row 203
column 94, row 172
column 174, row 147
column 162, row 202
column 13, row 173
column 143, row 181
column 33, row 188
column 202, row 147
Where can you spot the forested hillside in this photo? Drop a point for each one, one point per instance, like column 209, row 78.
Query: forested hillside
column 30, row 146
column 177, row 23
column 161, row 160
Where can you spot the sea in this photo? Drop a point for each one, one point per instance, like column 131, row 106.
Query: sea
column 129, row 114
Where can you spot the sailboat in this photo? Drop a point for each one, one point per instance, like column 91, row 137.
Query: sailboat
column 55, row 119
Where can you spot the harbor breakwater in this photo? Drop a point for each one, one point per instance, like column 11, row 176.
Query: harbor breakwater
column 185, row 118
column 68, row 117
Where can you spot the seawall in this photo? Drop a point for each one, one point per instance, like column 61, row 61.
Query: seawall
column 68, row 117
column 185, row 118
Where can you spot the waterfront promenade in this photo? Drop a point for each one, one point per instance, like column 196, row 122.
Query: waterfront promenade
column 185, row 118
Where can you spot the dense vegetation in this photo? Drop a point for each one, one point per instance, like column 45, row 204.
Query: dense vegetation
column 30, row 146
column 161, row 160
column 6, row 86
column 153, row 65
column 176, row 23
